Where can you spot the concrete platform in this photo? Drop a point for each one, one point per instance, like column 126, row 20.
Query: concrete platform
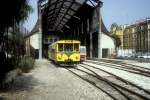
column 48, row 82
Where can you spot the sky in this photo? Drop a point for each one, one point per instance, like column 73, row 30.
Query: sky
column 31, row 21
column 118, row 11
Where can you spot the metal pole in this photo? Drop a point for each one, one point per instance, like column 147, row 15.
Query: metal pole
column 40, row 31
column 99, row 33
column 91, row 45
column 87, row 30
column 78, row 32
column 148, row 38
column 74, row 33
column 29, row 53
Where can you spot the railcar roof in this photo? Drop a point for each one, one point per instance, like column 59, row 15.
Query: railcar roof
column 68, row 41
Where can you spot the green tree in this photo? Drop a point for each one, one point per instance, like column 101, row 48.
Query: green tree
column 12, row 13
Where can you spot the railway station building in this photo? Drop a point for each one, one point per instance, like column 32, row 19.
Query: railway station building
column 72, row 19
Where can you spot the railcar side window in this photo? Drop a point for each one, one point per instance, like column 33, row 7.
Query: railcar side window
column 76, row 47
column 82, row 50
column 68, row 47
column 60, row 47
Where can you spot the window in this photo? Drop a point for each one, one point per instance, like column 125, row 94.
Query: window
column 142, row 27
column 46, row 40
column 83, row 50
column 50, row 40
column 148, row 26
column 60, row 47
column 76, row 47
column 133, row 30
column 55, row 40
column 68, row 47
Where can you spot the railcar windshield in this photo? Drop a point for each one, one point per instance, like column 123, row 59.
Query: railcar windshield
column 68, row 47
column 76, row 47
column 82, row 50
column 60, row 47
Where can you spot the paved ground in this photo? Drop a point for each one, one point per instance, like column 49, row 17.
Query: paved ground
column 48, row 82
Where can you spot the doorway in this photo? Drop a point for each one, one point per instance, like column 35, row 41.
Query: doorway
column 105, row 52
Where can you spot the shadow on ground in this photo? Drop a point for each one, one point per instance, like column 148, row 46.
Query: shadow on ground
column 2, row 98
column 20, row 83
column 62, row 65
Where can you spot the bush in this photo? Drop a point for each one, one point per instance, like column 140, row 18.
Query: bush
column 26, row 64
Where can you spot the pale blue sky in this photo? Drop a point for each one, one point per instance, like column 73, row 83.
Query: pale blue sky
column 119, row 11
column 124, row 11
column 29, row 24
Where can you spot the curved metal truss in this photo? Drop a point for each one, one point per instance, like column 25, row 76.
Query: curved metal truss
column 59, row 12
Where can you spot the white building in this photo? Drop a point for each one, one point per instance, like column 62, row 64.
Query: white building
column 107, row 46
column 32, row 42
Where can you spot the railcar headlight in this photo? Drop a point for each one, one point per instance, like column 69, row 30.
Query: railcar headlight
column 59, row 57
column 77, row 57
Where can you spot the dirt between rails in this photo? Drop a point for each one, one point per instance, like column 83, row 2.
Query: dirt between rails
column 48, row 82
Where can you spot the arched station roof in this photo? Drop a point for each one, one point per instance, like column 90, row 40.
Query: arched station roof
column 59, row 12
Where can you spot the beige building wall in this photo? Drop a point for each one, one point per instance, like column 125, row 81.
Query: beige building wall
column 108, row 43
column 34, row 41
column 134, row 37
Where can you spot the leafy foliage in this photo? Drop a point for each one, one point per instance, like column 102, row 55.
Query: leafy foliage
column 12, row 13
column 26, row 64
column 18, row 11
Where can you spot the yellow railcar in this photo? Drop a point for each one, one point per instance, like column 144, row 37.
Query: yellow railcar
column 65, row 52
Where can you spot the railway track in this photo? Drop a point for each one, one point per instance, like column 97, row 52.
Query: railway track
column 117, row 77
column 125, row 93
column 142, row 72
column 122, row 63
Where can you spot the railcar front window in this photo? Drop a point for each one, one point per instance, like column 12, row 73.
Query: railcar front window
column 60, row 47
column 68, row 47
column 82, row 50
column 76, row 47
